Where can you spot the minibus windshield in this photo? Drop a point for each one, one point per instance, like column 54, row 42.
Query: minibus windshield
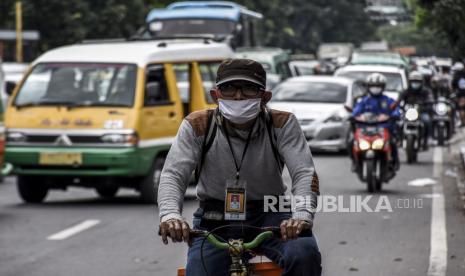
column 192, row 26
column 79, row 84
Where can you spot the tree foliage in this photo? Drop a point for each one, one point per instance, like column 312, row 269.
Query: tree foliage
column 447, row 18
column 426, row 41
column 300, row 25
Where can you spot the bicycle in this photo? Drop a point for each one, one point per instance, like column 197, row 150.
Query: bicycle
column 240, row 266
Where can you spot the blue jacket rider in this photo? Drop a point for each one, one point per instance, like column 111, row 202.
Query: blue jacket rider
column 383, row 106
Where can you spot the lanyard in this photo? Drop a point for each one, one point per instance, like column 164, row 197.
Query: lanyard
column 238, row 167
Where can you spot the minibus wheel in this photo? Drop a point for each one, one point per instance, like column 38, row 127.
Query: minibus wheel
column 149, row 185
column 31, row 189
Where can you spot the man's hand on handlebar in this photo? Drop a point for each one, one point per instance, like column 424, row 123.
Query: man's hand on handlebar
column 382, row 117
column 360, row 118
column 176, row 229
column 291, row 228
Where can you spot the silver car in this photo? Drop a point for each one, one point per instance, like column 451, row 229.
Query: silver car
column 320, row 103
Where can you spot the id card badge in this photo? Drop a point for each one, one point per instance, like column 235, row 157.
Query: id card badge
column 235, row 200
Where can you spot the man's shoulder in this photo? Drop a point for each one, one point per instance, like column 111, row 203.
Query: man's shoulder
column 389, row 99
column 365, row 99
column 199, row 121
column 279, row 117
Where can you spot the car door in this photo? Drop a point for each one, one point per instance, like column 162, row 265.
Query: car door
column 161, row 111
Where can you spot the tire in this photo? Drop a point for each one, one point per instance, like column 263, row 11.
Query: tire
column 371, row 175
column 410, row 149
column 107, row 191
column 31, row 189
column 148, row 187
column 440, row 136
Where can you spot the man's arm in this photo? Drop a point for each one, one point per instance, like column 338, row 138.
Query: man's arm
column 358, row 109
column 296, row 153
column 395, row 110
column 179, row 165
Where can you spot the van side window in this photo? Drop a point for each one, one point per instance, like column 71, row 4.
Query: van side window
column 156, row 90
column 208, row 72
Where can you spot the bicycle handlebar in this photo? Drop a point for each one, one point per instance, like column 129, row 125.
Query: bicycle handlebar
column 268, row 233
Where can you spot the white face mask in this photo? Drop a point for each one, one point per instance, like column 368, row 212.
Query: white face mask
column 415, row 85
column 375, row 90
column 240, row 112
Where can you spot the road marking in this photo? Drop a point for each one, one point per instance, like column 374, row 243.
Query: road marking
column 438, row 247
column 422, row 182
column 73, row 230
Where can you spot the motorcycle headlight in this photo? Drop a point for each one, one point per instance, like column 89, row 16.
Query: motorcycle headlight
column 411, row 114
column 441, row 109
column 15, row 137
column 377, row 144
column 120, row 139
column 364, row 145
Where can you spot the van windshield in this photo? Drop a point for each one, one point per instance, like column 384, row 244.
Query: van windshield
column 79, row 84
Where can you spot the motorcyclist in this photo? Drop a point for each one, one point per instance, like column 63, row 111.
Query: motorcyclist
column 418, row 93
column 441, row 83
column 458, row 87
column 383, row 106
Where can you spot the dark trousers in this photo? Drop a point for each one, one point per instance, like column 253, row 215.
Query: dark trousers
column 297, row 257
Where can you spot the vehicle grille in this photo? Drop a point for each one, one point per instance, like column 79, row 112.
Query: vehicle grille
column 75, row 139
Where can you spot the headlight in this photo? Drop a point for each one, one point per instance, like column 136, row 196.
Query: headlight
column 337, row 117
column 364, row 145
column 15, row 137
column 120, row 139
column 334, row 119
column 377, row 144
column 411, row 114
column 441, row 109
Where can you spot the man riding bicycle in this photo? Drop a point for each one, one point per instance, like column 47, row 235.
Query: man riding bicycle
column 238, row 151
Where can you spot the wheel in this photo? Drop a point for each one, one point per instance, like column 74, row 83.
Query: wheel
column 410, row 149
column 149, row 185
column 371, row 175
column 107, row 191
column 31, row 189
column 440, row 136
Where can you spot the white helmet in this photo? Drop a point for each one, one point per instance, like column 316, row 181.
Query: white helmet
column 375, row 83
column 458, row 66
column 415, row 76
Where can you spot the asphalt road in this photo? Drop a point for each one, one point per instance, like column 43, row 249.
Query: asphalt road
column 118, row 237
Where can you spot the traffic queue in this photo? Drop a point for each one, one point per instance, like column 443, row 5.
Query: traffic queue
column 103, row 114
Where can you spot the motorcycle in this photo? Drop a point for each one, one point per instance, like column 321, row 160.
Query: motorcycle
column 413, row 132
column 442, row 120
column 372, row 152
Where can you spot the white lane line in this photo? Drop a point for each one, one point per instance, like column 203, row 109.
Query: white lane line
column 438, row 247
column 73, row 230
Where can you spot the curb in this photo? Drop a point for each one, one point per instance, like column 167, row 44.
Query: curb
column 461, row 173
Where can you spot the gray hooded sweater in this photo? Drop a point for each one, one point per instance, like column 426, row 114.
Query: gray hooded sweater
column 260, row 168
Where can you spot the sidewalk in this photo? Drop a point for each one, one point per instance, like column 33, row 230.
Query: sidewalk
column 454, row 192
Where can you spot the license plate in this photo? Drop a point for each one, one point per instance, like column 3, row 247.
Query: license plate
column 59, row 158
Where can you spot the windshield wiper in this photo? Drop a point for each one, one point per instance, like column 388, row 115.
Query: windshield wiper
column 90, row 103
column 45, row 103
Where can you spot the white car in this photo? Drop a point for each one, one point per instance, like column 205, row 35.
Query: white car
column 319, row 103
column 397, row 80
column 13, row 72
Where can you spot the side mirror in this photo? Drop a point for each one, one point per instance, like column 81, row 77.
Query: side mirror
column 10, row 87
